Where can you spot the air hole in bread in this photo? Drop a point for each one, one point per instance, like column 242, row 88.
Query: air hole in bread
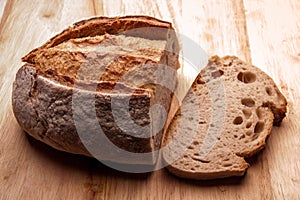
column 242, row 136
column 249, row 124
column 200, row 160
column 247, row 113
column 200, row 81
column 195, row 143
column 269, row 91
column 196, row 154
column 190, row 147
column 259, row 127
column 227, row 164
column 249, row 133
column 238, row 120
column 248, row 102
column 254, row 137
column 246, row 77
column 192, row 169
column 51, row 72
column 217, row 74
column 227, row 63
column 259, row 113
column 236, row 166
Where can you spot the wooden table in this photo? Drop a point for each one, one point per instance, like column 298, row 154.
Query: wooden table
column 264, row 32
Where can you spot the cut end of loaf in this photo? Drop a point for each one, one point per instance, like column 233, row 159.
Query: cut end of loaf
column 237, row 106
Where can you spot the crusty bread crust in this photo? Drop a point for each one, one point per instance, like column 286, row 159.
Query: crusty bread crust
column 252, row 104
column 101, row 25
column 42, row 98
column 43, row 108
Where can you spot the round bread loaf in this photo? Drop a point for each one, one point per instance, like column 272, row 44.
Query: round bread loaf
column 97, row 61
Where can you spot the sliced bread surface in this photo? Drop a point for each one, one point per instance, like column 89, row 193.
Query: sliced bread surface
column 226, row 116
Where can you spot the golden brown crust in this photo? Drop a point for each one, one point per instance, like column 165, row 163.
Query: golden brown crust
column 102, row 25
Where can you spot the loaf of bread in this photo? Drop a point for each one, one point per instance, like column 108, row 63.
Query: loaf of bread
column 102, row 61
column 227, row 115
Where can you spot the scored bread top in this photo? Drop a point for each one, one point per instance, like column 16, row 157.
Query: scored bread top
column 102, row 58
column 226, row 116
column 111, row 25
column 104, row 50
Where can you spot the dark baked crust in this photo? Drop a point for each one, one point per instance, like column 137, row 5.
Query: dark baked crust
column 44, row 110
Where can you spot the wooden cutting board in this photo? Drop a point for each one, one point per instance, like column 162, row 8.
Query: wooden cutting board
column 264, row 32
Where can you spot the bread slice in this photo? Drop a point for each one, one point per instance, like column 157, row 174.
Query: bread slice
column 100, row 59
column 227, row 115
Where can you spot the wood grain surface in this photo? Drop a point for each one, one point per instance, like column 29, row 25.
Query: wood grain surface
column 264, row 32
